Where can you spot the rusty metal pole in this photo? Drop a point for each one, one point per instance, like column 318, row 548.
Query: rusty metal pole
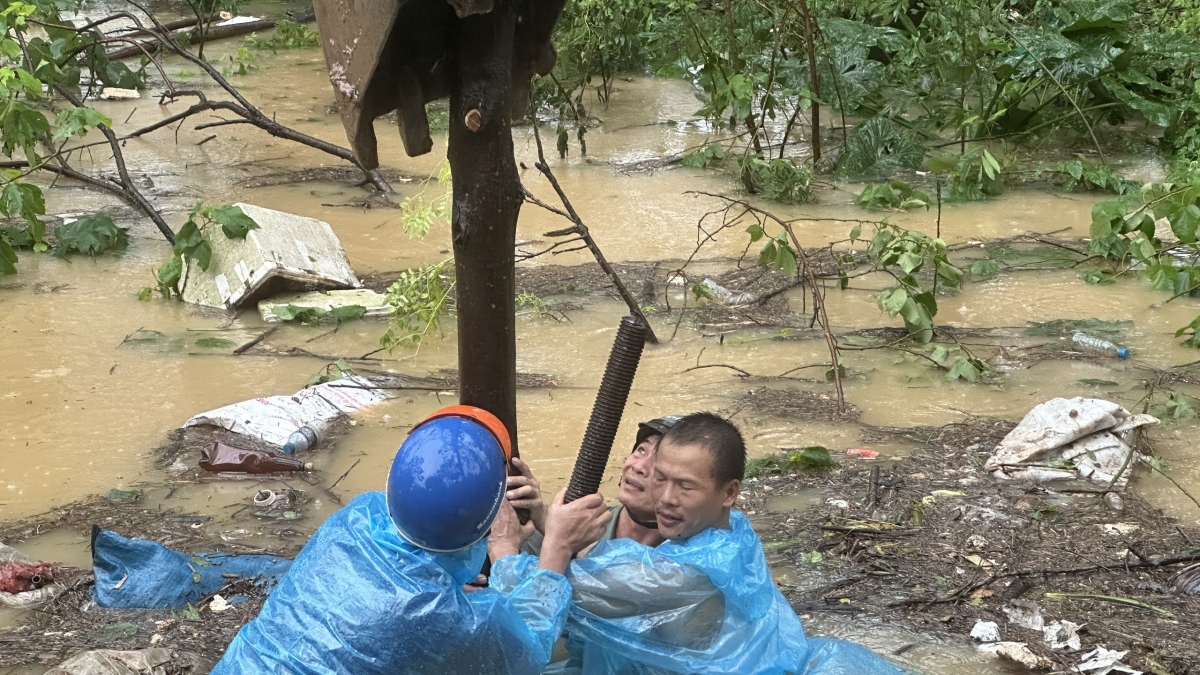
column 487, row 200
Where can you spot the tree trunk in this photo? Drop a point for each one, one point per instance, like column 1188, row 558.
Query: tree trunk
column 487, row 200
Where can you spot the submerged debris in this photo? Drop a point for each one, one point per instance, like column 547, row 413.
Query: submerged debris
column 936, row 543
column 798, row 404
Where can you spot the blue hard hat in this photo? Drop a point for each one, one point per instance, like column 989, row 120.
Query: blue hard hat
column 447, row 480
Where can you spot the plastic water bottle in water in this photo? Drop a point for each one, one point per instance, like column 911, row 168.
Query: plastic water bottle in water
column 304, row 438
column 1089, row 343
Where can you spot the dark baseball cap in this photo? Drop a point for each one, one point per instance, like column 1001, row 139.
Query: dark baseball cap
column 658, row 426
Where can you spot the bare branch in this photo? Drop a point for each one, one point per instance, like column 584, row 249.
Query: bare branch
column 582, row 231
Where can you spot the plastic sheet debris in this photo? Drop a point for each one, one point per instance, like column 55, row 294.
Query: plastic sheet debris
column 725, row 296
column 119, row 94
column 374, row 303
column 1101, row 661
column 274, row 418
column 154, row 661
column 1068, row 438
column 233, row 21
column 986, row 631
column 862, row 453
column 24, row 582
column 286, row 253
column 144, row 574
column 219, row 604
column 360, row 600
column 1062, row 635
column 1016, row 651
column 1187, row 580
column 1025, row 614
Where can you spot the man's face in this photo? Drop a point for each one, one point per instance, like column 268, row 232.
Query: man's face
column 637, row 479
column 689, row 500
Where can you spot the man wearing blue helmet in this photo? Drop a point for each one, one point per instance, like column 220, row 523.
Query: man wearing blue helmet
column 378, row 588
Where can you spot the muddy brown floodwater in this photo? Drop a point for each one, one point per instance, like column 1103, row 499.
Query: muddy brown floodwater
column 82, row 408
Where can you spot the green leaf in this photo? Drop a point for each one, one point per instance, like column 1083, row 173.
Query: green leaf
column 234, row 223
column 813, row 457
column 144, row 294
column 985, row 269
column 855, row 232
column 23, row 200
column 348, row 312
column 1098, row 277
column 188, row 238
column 893, row 300
column 963, row 368
column 77, row 121
column 203, row 254
column 939, row 353
column 8, row 257
column 168, row 276
column 1185, row 224
column 756, row 232
column 90, row 235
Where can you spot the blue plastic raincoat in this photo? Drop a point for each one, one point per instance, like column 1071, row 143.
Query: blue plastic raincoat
column 706, row 605
column 360, row 599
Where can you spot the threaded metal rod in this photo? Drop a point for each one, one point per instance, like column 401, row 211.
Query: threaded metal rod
column 610, row 406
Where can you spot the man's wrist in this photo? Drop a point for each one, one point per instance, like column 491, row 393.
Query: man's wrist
column 554, row 557
column 499, row 551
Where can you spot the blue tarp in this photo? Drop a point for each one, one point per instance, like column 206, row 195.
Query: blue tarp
column 707, row 605
column 139, row 573
column 360, row 599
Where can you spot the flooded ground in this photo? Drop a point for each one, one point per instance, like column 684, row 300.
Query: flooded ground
column 82, row 407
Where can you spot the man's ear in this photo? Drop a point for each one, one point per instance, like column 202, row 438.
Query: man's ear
column 731, row 491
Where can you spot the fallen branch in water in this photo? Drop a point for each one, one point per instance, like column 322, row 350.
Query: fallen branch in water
column 581, row 234
column 804, row 270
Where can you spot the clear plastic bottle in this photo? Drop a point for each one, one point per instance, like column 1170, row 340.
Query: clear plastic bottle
column 1089, row 343
column 305, row 438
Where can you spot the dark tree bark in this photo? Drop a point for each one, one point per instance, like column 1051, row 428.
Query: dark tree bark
column 487, row 200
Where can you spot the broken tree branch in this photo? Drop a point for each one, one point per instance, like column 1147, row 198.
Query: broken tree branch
column 804, row 269
column 128, row 191
column 247, row 110
column 583, row 233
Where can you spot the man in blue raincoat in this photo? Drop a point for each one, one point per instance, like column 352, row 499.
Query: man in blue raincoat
column 379, row 587
column 704, row 600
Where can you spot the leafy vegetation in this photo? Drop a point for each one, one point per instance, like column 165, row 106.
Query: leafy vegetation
column 419, row 212
column 416, row 302
column 41, row 54
column 989, row 79
column 905, row 254
column 894, row 195
column 314, row 316
column 287, row 35
column 190, row 244
column 805, row 459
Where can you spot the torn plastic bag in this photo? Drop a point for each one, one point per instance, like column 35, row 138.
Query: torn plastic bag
column 274, row 418
column 144, row 574
column 623, row 621
column 360, row 600
column 1068, row 438
column 153, row 661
